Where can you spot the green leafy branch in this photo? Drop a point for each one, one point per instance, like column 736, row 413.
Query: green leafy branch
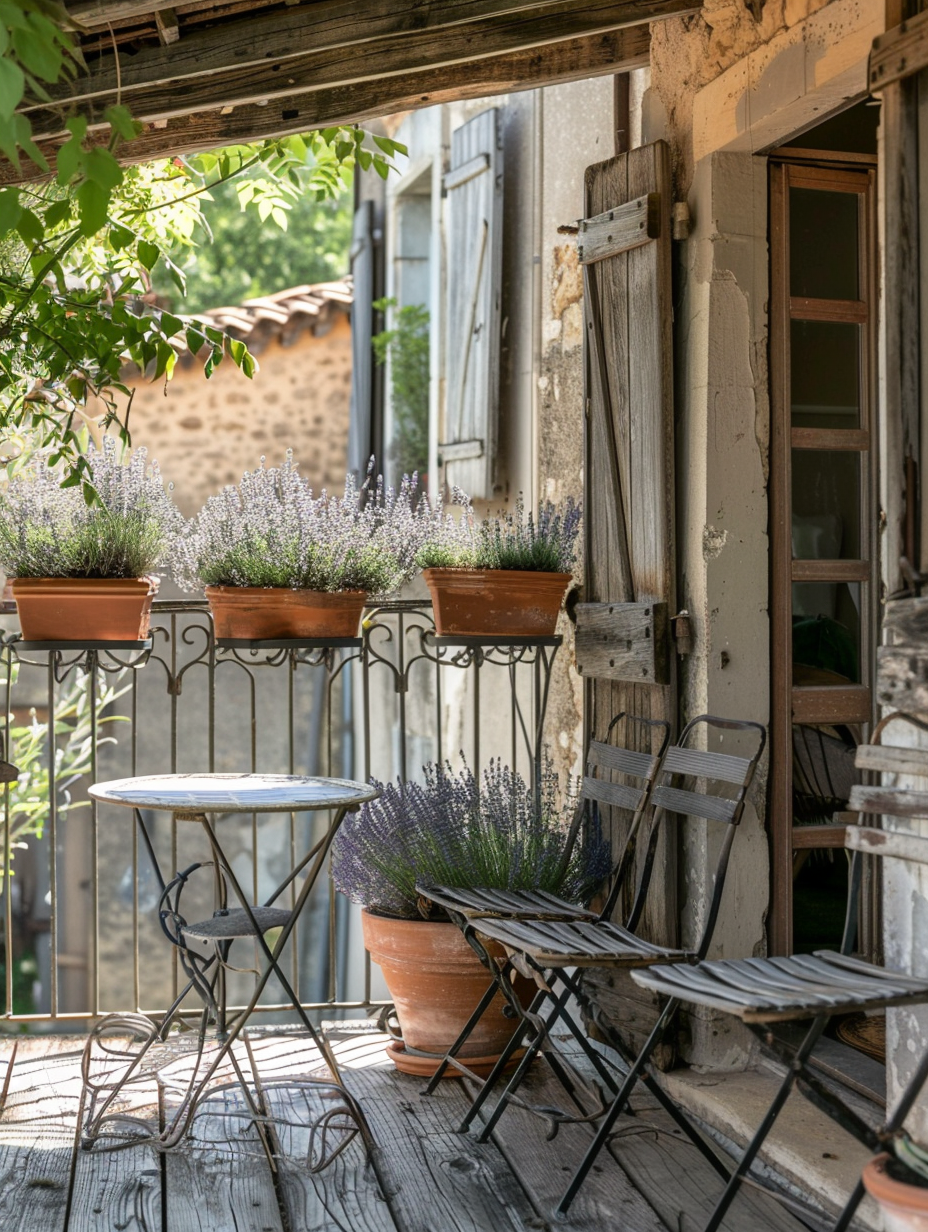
column 78, row 250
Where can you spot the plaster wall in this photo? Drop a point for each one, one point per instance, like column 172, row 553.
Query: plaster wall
column 721, row 80
column 723, row 89
column 721, row 448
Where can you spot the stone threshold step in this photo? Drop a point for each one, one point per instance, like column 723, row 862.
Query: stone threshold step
column 806, row 1152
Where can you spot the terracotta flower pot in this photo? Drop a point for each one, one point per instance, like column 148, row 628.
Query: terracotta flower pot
column 904, row 1206
column 268, row 613
column 84, row 609
column 436, row 980
column 508, row 602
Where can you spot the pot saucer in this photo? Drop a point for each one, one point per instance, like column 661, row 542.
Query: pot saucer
column 423, row 1066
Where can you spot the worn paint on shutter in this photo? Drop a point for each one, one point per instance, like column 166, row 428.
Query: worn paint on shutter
column 474, row 188
column 629, row 494
column 360, row 428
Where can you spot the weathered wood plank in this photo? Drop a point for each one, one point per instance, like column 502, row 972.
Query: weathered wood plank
column 571, row 60
column 623, row 641
column 608, row 1199
column 832, row 704
column 236, row 85
column 116, row 1189
column 669, row 1171
column 221, row 1181
column 620, row 229
column 469, row 1189
column 900, row 52
column 346, row 1194
column 662, row 1170
column 890, row 759
column 891, row 842
column 37, row 1137
column 282, row 35
column 629, row 461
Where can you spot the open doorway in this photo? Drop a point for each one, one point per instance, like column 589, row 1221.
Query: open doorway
column 824, row 548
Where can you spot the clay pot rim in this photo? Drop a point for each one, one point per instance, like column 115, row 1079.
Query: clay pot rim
column 890, row 1192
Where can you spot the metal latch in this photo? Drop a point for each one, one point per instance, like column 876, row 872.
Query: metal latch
column 681, row 628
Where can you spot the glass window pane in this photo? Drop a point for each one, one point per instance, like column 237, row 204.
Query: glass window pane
column 826, row 633
column 826, row 504
column 825, row 374
column 823, row 244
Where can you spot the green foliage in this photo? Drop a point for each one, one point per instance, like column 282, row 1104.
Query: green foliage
column 77, row 253
column 241, row 261
column 26, row 746
column 406, row 345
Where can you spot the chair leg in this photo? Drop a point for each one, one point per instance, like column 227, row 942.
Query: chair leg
column 498, row 1069
column 615, row 1110
column 462, row 1038
column 802, row 1055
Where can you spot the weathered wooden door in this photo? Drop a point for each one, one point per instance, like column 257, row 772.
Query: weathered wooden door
column 474, row 187
column 623, row 649
column 361, row 426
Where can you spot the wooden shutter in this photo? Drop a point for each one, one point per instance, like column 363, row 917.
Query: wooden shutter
column 474, row 188
column 624, row 245
column 360, row 424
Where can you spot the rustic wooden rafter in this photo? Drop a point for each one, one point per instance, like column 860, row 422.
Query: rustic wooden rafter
column 163, row 82
column 899, row 53
column 571, row 60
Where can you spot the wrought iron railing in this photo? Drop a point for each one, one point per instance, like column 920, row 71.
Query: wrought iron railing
column 78, row 889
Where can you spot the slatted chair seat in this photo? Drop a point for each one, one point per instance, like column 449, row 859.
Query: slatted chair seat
column 578, row 943
column 782, row 989
column 706, row 784
column 817, row 986
column 480, row 904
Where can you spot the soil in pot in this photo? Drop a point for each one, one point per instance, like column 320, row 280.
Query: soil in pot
column 259, row 613
column 903, row 1200
column 500, row 602
column 436, row 980
column 84, row 609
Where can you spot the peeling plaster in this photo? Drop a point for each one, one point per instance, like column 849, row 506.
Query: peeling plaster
column 718, row 76
column 712, row 542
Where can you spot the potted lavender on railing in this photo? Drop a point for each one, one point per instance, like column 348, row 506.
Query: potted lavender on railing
column 506, row 575
column 279, row 562
column 500, row 833
column 80, row 557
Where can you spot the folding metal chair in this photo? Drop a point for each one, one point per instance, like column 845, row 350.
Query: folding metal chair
column 639, row 769
column 761, row 991
column 549, row 950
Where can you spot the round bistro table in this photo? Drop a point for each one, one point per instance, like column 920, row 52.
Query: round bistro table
column 195, row 798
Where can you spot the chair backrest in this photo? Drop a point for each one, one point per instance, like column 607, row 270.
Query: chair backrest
column 869, row 800
column 714, row 774
column 633, row 796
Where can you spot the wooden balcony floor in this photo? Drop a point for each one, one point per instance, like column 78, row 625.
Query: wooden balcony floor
column 426, row 1178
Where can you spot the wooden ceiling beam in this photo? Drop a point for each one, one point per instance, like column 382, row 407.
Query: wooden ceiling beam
column 571, row 60
column 323, row 25
column 369, row 60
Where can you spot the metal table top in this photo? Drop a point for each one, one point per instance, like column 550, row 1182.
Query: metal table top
column 233, row 793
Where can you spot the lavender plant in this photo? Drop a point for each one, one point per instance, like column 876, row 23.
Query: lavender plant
column 452, row 831
column 50, row 529
column 544, row 541
column 272, row 531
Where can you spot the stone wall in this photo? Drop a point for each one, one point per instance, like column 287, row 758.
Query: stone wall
column 205, row 434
